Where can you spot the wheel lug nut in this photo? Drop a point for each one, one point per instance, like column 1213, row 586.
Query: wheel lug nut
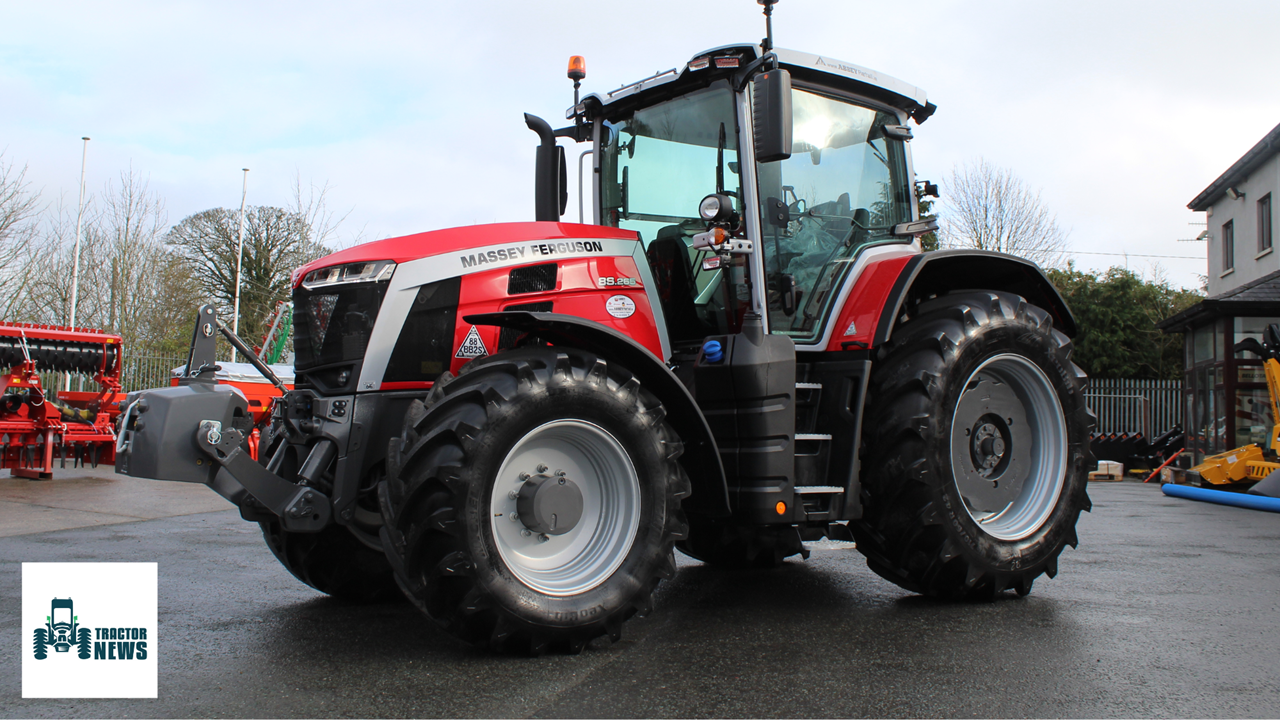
column 513, row 495
column 515, row 517
column 560, row 473
column 542, row 468
column 526, row 532
column 543, row 537
column 523, row 476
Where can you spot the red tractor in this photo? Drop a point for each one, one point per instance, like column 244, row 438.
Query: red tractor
column 518, row 424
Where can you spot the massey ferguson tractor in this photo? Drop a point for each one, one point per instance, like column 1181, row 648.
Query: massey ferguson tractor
column 517, row 424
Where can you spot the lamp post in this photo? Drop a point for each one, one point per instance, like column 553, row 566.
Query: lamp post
column 75, row 268
column 235, row 315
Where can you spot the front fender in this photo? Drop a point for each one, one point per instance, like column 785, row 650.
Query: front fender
column 701, row 458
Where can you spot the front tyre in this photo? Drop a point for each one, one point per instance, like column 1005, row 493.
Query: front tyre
column 534, row 503
column 976, row 448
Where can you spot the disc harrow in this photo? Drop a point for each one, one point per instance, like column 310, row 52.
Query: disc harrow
column 36, row 427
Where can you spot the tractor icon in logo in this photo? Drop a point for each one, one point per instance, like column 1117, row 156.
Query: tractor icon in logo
column 62, row 631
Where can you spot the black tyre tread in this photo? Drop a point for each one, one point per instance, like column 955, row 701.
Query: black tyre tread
column 84, row 647
column 334, row 562
column 905, row 533
column 423, row 498
column 41, row 643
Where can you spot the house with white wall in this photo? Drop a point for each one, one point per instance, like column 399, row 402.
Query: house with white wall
column 1226, row 393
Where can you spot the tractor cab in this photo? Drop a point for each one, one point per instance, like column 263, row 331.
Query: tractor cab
column 811, row 154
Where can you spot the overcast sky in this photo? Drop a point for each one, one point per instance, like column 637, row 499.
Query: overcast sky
column 1119, row 112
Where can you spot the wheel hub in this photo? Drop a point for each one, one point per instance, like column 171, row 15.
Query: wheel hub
column 549, row 504
column 990, row 442
column 1008, row 446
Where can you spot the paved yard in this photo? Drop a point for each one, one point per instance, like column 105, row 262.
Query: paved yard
column 1169, row 608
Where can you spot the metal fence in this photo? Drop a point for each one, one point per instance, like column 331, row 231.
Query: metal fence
column 1147, row 406
column 148, row 371
column 138, row 373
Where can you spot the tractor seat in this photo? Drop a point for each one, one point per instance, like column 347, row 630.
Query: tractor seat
column 673, row 275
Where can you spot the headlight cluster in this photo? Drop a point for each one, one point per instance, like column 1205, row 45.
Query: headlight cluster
column 358, row 272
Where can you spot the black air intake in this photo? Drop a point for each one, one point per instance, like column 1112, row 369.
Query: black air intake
column 531, row 279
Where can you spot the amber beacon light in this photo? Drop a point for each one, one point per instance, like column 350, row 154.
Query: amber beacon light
column 577, row 68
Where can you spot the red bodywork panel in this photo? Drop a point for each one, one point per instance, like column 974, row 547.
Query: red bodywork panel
column 866, row 303
column 435, row 242
column 578, row 292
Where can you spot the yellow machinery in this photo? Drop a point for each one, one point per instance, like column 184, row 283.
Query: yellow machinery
column 1248, row 463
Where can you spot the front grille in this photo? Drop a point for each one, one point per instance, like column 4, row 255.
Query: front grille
column 507, row 338
column 531, row 279
column 333, row 324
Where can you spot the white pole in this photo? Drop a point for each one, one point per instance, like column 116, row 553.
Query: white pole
column 235, row 318
column 75, row 268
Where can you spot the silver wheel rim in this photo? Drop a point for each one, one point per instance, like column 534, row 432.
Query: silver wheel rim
column 592, row 551
column 1009, row 447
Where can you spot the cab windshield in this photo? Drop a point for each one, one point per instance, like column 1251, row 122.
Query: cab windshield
column 845, row 187
column 656, row 167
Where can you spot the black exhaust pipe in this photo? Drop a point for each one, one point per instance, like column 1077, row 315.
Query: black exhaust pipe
column 551, row 191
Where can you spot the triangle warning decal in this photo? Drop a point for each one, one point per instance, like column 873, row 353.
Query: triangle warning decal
column 472, row 346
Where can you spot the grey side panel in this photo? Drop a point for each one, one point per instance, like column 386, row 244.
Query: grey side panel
column 701, row 458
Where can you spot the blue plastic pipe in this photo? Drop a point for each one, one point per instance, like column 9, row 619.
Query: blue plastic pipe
column 1244, row 500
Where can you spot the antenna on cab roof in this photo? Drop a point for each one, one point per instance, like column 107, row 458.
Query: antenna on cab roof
column 767, row 42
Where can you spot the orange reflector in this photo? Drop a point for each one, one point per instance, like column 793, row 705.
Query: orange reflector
column 577, row 68
column 781, row 508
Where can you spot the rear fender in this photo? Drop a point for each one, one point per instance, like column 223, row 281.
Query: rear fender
column 701, row 458
column 943, row 271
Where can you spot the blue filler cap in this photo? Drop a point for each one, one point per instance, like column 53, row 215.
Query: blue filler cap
column 712, row 352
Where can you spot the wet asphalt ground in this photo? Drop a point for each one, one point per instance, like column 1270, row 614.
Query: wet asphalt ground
column 1168, row 608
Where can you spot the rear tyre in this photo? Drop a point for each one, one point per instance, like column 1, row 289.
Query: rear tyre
column 976, row 449
column 580, row 454
column 42, row 643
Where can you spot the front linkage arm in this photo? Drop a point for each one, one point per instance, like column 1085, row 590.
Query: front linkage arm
column 300, row 508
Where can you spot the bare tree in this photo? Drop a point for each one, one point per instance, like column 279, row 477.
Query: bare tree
column 46, row 297
column 19, row 214
column 989, row 208
column 321, row 222
column 127, row 285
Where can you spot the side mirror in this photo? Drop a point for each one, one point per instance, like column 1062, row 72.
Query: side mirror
column 771, row 115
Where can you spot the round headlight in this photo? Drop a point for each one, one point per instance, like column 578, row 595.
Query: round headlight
column 709, row 208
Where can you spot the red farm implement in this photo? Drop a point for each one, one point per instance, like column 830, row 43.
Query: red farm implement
column 36, row 428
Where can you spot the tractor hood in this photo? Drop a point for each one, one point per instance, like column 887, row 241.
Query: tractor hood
column 439, row 242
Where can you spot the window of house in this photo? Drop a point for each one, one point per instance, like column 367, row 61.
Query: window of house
column 1264, row 223
column 1228, row 246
